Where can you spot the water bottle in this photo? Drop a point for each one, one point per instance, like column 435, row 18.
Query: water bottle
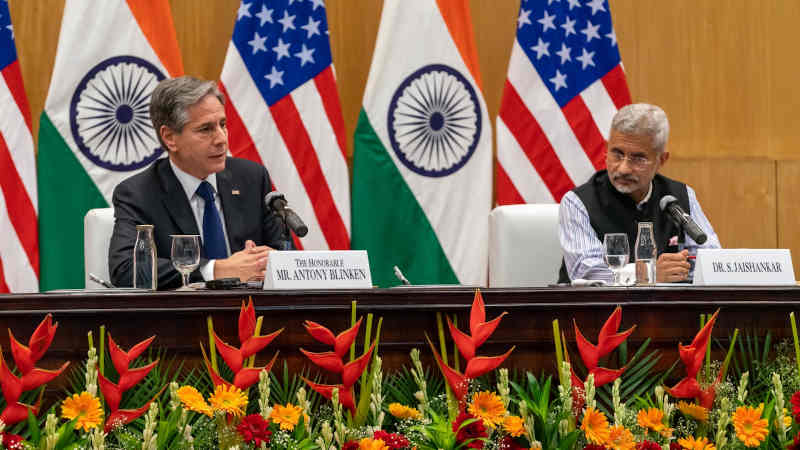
column 145, row 269
column 645, row 255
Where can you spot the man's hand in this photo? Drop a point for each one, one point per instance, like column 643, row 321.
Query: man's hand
column 672, row 267
column 245, row 264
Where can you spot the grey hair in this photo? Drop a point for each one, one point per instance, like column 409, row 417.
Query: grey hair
column 642, row 119
column 171, row 99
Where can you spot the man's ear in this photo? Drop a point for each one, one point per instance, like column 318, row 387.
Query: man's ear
column 168, row 136
column 663, row 157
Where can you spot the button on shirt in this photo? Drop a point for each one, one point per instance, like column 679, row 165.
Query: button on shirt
column 189, row 183
column 584, row 253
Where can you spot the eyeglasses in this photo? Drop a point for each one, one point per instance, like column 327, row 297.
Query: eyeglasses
column 636, row 161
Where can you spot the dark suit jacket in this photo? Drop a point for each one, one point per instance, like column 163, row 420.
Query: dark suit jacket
column 155, row 196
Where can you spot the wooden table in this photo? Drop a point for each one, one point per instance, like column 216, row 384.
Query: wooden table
column 668, row 315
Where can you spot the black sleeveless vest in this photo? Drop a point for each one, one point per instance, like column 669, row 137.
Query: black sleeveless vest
column 611, row 211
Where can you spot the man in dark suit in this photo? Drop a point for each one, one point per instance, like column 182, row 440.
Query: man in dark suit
column 197, row 190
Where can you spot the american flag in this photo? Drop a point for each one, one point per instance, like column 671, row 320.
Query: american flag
column 565, row 82
column 284, row 111
column 19, row 237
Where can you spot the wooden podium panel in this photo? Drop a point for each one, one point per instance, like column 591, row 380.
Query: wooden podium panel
column 668, row 315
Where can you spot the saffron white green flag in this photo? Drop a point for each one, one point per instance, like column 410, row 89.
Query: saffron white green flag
column 422, row 163
column 95, row 130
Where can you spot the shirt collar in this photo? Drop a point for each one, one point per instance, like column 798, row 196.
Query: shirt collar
column 190, row 183
column 641, row 204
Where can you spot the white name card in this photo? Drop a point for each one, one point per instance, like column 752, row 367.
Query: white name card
column 743, row 266
column 341, row 269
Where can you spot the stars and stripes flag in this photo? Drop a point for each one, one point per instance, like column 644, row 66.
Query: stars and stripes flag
column 284, row 111
column 565, row 83
column 19, row 244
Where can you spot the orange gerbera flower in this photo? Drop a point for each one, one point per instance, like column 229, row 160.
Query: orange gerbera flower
column 372, row 444
column 750, row 428
column 86, row 408
column 620, row 438
column 228, row 399
column 489, row 407
column 652, row 418
column 286, row 416
column 514, row 425
column 193, row 400
column 404, row 412
column 595, row 426
column 693, row 410
column 690, row 443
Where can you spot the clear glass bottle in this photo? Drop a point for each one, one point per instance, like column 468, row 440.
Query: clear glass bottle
column 645, row 255
column 145, row 268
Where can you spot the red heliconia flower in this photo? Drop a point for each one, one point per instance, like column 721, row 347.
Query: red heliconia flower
column 128, row 378
column 340, row 343
column 692, row 356
column 254, row 429
column 350, row 373
column 32, row 377
column 392, row 440
column 234, row 357
column 467, row 345
column 475, row 430
column 608, row 339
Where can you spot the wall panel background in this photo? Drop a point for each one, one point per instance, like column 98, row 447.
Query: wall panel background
column 724, row 70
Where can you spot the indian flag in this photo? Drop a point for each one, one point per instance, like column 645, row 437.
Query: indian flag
column 95, row 130
column 422, row 174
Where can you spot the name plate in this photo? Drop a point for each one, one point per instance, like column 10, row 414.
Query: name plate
column 744, row 267
column 341, row 269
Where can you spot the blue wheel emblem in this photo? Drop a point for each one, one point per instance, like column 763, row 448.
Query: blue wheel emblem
column 434, row 121
column 109, row 114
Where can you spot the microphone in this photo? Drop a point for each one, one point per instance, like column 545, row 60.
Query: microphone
column 277, row 202
column 670, row 206
column 399, row 275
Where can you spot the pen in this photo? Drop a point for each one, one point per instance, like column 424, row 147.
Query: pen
column 100, row 281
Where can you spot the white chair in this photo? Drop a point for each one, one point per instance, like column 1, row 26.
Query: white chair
column 523, row 245
column 97, row 228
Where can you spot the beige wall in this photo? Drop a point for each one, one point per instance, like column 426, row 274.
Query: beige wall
column 724, row 70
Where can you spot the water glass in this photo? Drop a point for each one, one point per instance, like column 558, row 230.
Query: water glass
column 617, row 252
column 185, row 255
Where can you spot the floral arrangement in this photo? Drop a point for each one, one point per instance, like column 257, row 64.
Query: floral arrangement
column 601, row 398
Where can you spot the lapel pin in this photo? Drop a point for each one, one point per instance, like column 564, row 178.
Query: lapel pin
column 235, row 192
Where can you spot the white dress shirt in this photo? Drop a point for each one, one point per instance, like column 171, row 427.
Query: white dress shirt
column 190, row 184
column 584, row 253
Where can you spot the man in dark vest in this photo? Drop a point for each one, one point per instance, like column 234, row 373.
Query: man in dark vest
column 615, row 200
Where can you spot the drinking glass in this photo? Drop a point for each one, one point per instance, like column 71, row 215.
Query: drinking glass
column 617, row 253
column 185, row 255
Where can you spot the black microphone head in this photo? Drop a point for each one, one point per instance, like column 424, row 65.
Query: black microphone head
column 666, row 201
column 271, row 197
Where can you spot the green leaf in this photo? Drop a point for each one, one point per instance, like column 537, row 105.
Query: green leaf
column 33, row 428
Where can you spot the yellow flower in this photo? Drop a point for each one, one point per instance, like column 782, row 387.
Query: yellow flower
column 750, row 427
column 620, row 438
column 193, row 400
column 404, row 412
column 489, row 407
column 595, row 426
column 690, row 443
column 372, row 444
column 693, row 410
column 514, row 425
column 228, row 399
column 286, row 416
column 86, row 408
column 652, row 418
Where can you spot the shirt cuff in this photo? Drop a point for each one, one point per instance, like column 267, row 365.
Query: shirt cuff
column 207, row 270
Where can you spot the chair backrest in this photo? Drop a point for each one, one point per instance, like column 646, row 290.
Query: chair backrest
column 523, row 245
column 97, row 228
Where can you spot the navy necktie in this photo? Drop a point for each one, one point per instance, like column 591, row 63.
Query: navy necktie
column 213, row 236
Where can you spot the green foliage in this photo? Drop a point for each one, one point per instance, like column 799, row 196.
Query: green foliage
column 546, row 415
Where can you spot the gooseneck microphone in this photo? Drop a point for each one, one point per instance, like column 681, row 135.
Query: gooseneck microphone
column 277, row 202
column 669, row 205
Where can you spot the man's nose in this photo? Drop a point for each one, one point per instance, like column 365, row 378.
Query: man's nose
column 220, row 134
